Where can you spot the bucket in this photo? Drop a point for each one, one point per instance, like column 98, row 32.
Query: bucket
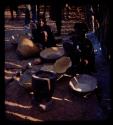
column 43, row 83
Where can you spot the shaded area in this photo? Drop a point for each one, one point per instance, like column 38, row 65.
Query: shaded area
column 67, row 106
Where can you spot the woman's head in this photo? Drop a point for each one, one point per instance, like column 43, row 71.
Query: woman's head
column 80, row 28
column 42, row 21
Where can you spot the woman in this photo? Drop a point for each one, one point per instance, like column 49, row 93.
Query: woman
column 42, row 34
column 80, row 50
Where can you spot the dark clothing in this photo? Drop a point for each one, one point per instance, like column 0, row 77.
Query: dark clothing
column 33, row 11
column 56, row 14
column 38, row 36
column 27, row 16
column 79, row 51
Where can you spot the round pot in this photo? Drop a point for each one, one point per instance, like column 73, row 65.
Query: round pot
column 43, row 83
column 83, row 84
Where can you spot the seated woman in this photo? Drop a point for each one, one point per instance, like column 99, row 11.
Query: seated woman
column 80, row 50
column 42, row 34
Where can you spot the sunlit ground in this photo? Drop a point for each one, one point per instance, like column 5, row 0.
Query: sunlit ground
column 18, row 101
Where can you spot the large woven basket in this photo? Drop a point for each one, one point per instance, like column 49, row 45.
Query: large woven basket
column 26, row 47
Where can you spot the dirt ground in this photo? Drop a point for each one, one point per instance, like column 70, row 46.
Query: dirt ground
column 66, row 105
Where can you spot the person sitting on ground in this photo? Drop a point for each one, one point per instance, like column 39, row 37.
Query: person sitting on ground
column 80, row 50
column 42, row 34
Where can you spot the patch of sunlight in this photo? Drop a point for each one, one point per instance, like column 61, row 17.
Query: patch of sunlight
column 9, row 72
column 16, row 78
column 56, row 98
column 67, row 100
column 13, row 64
column 61, row 99
column 17, row 105
column 26, row 117
column 8, row 77
column 14, row 27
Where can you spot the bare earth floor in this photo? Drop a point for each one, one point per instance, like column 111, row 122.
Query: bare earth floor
column 66, row 105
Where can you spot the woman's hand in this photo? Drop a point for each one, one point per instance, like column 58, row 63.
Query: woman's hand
column 86, row 61
column 45, row 36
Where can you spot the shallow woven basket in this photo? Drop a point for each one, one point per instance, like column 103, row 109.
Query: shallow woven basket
column 52, row 53
column 62, row 64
